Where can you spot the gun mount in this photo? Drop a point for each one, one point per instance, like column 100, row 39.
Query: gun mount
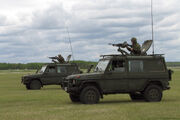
column 120, row 46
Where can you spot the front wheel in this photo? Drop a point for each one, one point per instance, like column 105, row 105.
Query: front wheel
column 90, row 95
column 153, row 93
column 35, row 85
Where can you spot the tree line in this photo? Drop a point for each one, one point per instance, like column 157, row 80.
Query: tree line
column 81, row 64
column 173, row 64
column 7, row 66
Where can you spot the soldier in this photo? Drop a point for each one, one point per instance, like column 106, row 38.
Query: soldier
column 135, row 49
column 60, row 58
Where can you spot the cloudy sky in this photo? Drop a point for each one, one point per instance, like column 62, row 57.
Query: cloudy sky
column 32, row 30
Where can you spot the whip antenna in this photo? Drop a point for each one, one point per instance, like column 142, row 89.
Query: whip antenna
column 70, row 43
column 152, row 23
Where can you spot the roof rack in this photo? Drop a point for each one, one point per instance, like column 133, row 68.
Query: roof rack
column 155, row 54
column 111, row 55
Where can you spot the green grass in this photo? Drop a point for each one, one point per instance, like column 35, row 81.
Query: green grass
column 52, row 103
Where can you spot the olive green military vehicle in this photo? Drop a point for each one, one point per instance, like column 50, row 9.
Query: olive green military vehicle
column 50, row 74
column 143, row 77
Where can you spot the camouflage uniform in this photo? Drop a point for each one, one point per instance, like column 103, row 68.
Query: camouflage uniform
column 135, row 48
column 60, row 59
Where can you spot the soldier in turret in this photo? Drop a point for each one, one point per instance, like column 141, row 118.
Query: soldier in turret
column 60, row 58
column 135, row 49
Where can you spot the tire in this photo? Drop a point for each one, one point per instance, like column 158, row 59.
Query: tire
column 153, row 93
column 136, row 96
column 27, row 86
column 35, row 85
column 90, row 95
column 74, row 98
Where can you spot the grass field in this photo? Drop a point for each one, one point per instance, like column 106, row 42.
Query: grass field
column 52, row 103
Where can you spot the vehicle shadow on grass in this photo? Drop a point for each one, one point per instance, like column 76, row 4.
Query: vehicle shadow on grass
column 121, row 101
column 134, row 101
column 51, row 89
column 111, row 102
column 124, row 101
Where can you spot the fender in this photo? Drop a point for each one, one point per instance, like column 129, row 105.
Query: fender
column 150, row 81
column 38, row 80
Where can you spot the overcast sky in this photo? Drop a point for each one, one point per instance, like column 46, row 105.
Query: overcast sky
column 32, row 30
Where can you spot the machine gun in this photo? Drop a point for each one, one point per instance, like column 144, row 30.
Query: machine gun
column 58, row 59
column 121, row 45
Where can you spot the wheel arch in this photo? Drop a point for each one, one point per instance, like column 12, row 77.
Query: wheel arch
column 154, row 82
column 37, row 80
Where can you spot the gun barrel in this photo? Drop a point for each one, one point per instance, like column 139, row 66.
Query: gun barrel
column 123, row 45
column 117, row 45
column 110, row 44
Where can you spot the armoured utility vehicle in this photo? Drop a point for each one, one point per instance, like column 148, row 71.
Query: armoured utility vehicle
column 143, row 77
column 51, row 74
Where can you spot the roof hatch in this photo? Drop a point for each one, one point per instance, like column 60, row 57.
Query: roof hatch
column 145, row 46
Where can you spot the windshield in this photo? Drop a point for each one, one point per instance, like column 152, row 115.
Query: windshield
column 101, row 66
column 42, row 69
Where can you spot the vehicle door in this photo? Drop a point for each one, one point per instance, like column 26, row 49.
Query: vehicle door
column 115, row 76
column 50, row 76
column 136, row 75
column 62, row 72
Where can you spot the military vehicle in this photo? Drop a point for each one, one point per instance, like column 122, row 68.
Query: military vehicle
column 143, row 77
column 51, row 74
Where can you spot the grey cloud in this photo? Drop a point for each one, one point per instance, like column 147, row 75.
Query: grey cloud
column 92, row 26
column 3, row 20
column 52, row 18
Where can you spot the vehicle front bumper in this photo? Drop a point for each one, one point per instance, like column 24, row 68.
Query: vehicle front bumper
column 69, row 87
column 72, row 89
column 24, row 81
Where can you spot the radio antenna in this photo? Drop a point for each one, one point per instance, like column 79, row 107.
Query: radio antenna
column 70, row 43
column 152, row 24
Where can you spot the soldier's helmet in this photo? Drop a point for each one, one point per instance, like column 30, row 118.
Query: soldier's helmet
column 133, row 40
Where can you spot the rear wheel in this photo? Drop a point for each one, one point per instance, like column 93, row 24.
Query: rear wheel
column 74, row 98
column 35, row 85
column 153, row 93
column 90, row 95
column 136, row 96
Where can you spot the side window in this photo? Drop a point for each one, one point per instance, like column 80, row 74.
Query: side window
column 117, row 66
column 135, row 66
column 51, row 69
column 61, row 69
column 154, row 66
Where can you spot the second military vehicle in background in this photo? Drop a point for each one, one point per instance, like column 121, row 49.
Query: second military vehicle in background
column 51, row 74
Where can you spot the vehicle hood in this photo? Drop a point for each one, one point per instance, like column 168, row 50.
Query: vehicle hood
column 32, row 76
column 86, row 76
